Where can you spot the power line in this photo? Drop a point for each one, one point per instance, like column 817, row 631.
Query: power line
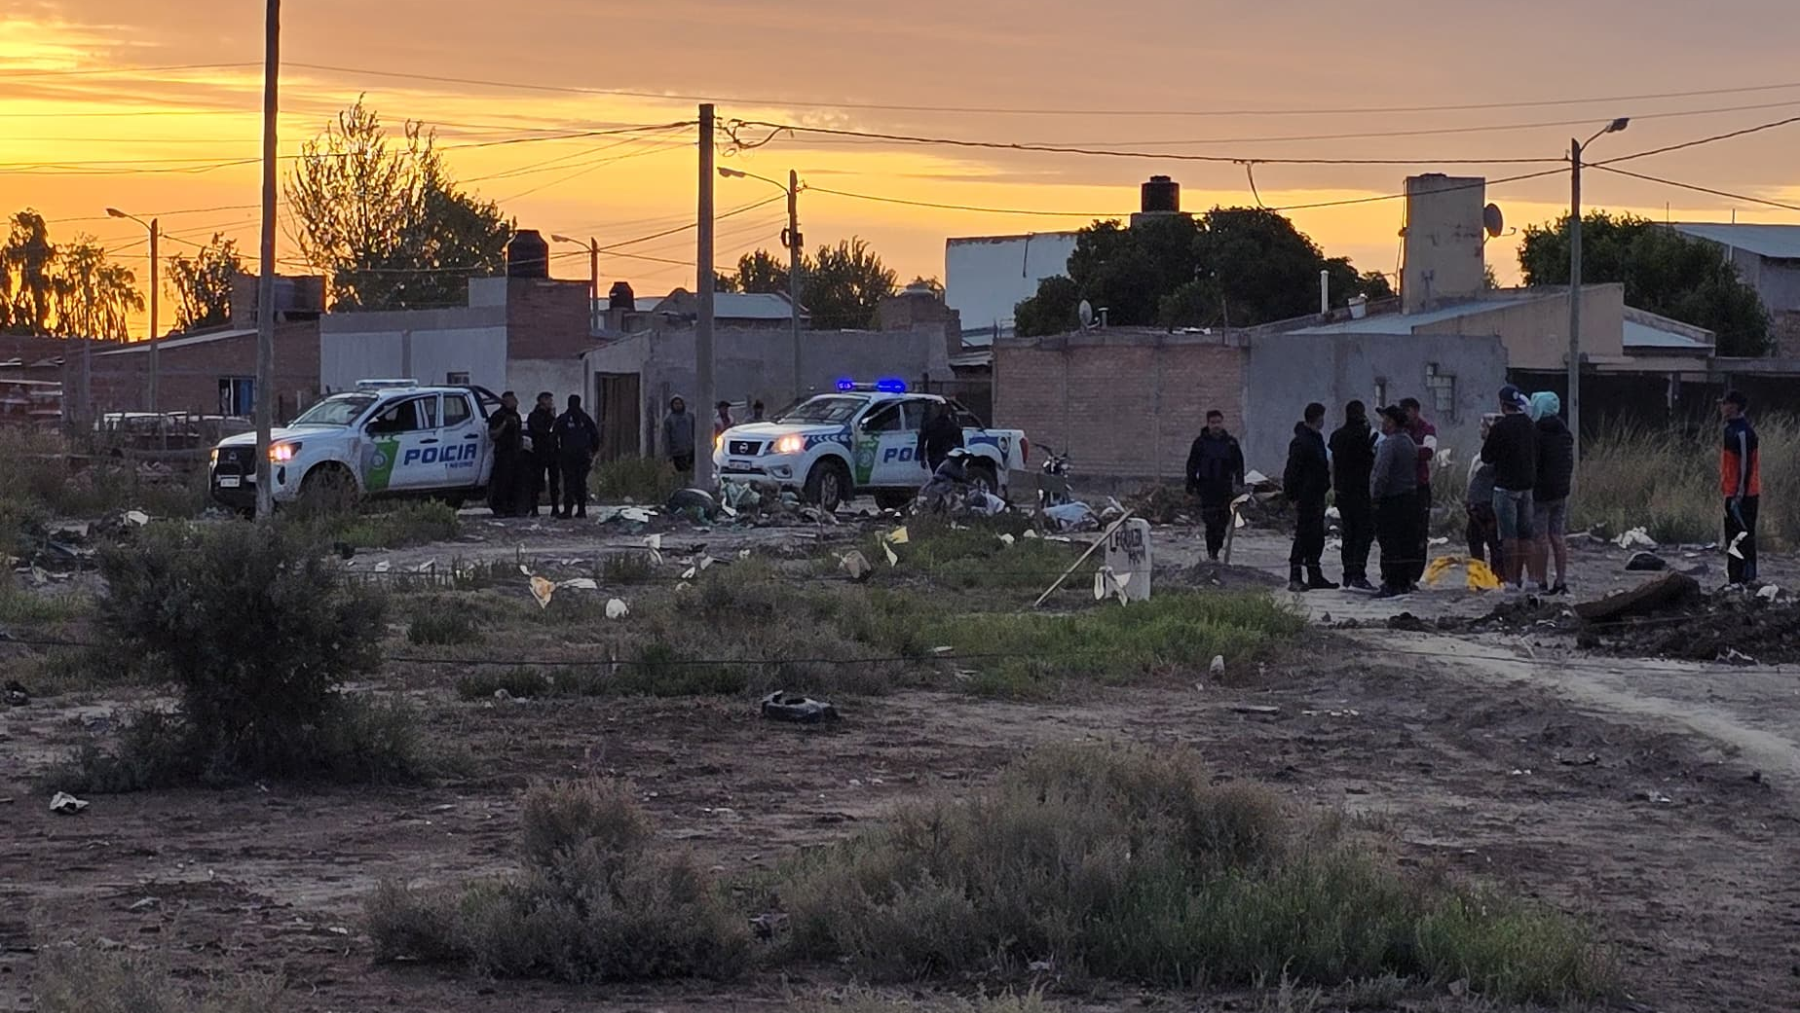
column 959, row 207
column 1057, row 111
column 1068, row 149
column 133, row 72
column 1699, row 189
column 1699, row 141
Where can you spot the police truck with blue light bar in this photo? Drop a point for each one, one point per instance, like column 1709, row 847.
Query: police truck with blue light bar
column 386, row 438
column 861, row 439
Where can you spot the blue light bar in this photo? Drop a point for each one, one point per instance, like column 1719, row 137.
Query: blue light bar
column 846, row 384
column 891, row 386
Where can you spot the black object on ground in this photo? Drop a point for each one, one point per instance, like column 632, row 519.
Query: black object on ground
column 1646, row 561
column 781, row 706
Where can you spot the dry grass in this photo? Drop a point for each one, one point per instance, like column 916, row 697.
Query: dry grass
column 1668, row 481
column 78, row 980
column 1133, row 866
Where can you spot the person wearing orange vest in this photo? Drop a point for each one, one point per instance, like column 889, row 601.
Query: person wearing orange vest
column 1740, row 480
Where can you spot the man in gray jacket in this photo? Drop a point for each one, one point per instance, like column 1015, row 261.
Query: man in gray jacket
column 1393, row 487
column 678, row 435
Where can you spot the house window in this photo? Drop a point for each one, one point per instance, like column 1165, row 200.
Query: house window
column 456, row 379
column 237, row 395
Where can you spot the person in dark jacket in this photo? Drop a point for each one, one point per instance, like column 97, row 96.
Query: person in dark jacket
column 1352, row 458
column 540, row 425
column 1740, row 479
column 937, row 437
column 1483, row 531
column 1424, row 436
column 1512, row 449
column 577, row 441
column 1393, row 486
column 1306, row 482
column 507, row 432
column 678, row 435
column 1215, row 470
column 1550, row 493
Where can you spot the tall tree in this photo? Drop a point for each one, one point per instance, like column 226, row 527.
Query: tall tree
column 931, row 284
column 387, row 220
column 845, row 285
column 1662, row 270
column 94, row 296
column 1235, row 267
column 765, row 272
column 202, row 284
column 27, row 275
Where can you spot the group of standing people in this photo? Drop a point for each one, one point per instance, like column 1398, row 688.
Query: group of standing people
column 545, row 450
column 1383, row 484
column 1518, row 492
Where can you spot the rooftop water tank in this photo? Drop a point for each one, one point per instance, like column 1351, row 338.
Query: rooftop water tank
column 527, row 256
column 1161, row 195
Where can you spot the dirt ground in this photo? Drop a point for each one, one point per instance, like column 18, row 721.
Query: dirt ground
column 1660, row 799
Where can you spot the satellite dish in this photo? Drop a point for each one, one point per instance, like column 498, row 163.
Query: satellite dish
column 1086, row 312
column 1493, row 220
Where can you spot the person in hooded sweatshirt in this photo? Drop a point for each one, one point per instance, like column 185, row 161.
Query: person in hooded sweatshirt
column 678, row 435
column 1306, row 482
column 1550, row 494
column 1215, row 470
column 1511, row 447
column 1352, row 459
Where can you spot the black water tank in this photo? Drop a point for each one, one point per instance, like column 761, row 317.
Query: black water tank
column 620, row 296
column 1161, row 194
column 527, row 256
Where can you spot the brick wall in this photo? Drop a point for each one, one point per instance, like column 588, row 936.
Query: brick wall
column 189, row 374
column 547, row 319
column 1119, row 403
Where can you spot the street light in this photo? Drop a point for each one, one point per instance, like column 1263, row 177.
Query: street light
column 792, row 240
column 155, row 234
column 593, row 248
column 1574, row 381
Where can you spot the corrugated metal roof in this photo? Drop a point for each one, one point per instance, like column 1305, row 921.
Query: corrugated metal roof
column 1781, row 242
column 141, row 347
column 1644, row 335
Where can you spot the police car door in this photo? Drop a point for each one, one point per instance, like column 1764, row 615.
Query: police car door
column 894, row 446
column 404, row 447
column 464, row 443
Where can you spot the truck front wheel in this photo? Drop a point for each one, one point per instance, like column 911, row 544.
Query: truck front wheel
column 828, row 485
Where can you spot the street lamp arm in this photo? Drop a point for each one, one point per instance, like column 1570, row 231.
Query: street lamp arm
column 730, row 173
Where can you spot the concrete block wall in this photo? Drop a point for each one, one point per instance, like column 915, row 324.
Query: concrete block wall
column 1119, row 403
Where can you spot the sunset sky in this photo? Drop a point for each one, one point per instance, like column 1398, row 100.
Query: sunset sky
column 91, row 114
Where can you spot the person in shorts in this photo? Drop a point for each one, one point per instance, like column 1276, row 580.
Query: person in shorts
column 1511, row 448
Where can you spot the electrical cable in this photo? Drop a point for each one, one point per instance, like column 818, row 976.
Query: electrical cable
column 957, row 207
column 1699, row 189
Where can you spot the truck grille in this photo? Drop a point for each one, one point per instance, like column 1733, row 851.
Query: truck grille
column 743, row 448
column 237, row 461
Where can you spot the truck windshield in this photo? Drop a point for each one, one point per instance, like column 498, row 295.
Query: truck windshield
column 338, row 410
column 825, row 409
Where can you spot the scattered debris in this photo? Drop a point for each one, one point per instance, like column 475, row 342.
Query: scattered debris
column 1218, row 665
column 617, row 609
column 137, row 518
column 64, row 804
column 145, row 904
column 1655, row 797
column 781, row 706
column 1636, row 538
column 856, row 565
column 1769, row 592
column 1256, row 710
column 766, row 925
column 1663, row 592
column 1650, row 562
column 543, row 590
column 16, row 694
column 696, row 505
column 1406, row 622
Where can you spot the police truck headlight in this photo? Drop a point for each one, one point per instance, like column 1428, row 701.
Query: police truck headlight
column 790, row 445
column 282, row 453
column 212, row 459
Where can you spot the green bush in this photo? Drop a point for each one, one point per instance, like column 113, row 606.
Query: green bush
column 596, row 901
column 258, row 634
column 432, row 625
column 1132, row 865
column 386, row 526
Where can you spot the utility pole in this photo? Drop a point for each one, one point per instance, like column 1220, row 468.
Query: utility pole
column 794, row 247
column 1574, row 381
column 703, row 327
column 1576, row 148
column 155, row 372
column 265, row 284
column 594, row 285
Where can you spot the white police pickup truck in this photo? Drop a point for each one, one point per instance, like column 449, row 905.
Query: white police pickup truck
column 861, row 439
column 386, row 438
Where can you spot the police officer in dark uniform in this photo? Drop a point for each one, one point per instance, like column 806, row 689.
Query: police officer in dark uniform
column 545, row 467
column 507, row 431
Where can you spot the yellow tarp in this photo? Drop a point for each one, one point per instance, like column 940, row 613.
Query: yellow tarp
column 1480, row 576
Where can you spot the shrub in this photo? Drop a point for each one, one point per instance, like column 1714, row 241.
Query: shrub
column 636, row 480
column 520, row 682
column 626, row 568
column 258, row 634
column 595, row 901
column 387, row 526
column 77, row 980
column 1133, row 866
column 442, row 627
